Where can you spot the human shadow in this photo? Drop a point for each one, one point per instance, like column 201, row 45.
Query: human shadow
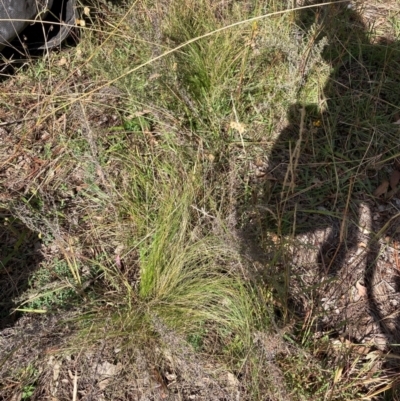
column 20, row 257
column 325, row 167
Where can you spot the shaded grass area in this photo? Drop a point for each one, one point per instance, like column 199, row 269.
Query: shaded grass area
column 19, row 258
column 167, row 202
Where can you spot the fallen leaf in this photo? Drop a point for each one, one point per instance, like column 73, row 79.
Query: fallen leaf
column 362, row 291
column 275, row 239
column 104, row 383
column 139, row 114
column 394, row 179
column 260, row 163
column 362, row 349
column 56, row 371
column 80, row 188
column 232, row 380
column 152, row 77
column 86, row 11
column 260, row 173
column 107, row 369
column 119, row 249
column 382, row 189
column 171, row 377
column 62, row 61
column 239, row 127
column 391, row 193
column 338, row 374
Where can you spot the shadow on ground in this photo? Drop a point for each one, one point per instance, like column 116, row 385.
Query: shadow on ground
column 19, row 258
column 19, row 246
column 323, row 172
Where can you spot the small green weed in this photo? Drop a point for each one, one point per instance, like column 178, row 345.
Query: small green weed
column 53, row 286
column 27, row 391
column 27, row 377
column 196, row 340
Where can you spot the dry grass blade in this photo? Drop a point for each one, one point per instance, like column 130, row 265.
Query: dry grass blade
column 193, row 184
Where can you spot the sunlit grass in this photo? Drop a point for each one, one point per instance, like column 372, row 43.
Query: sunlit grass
column 147, row 194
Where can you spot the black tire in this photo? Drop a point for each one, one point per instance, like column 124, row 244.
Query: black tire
column 53, row 22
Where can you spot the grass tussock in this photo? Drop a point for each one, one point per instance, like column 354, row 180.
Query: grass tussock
column 194, row 174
